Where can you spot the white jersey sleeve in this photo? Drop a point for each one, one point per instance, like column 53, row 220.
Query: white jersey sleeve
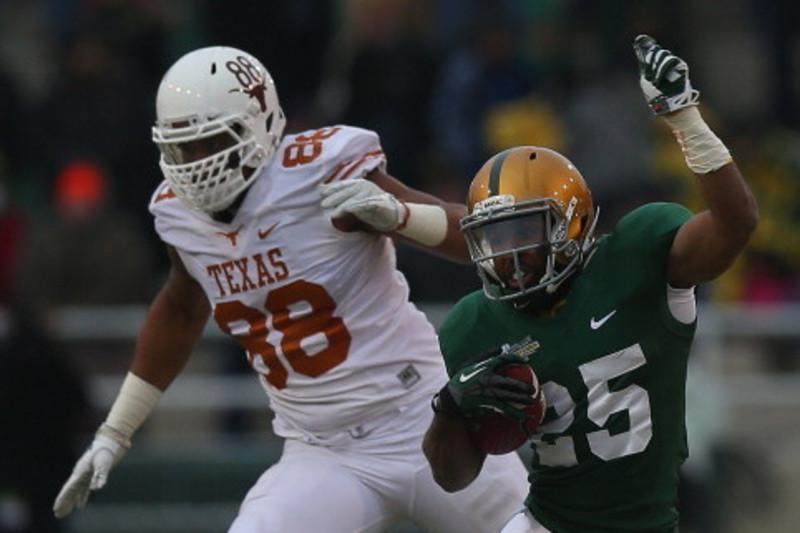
column 323, row 315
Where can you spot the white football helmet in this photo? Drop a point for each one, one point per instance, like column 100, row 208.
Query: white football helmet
column 217, row 112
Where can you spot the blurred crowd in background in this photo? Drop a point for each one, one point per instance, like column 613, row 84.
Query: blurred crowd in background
column 446, row 83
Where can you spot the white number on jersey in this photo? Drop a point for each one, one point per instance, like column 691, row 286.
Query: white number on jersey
column 602, row 404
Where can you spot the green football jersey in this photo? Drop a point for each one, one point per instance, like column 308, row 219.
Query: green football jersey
column 612, row 363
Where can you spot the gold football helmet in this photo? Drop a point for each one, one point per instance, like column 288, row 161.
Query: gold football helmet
column 530, row 224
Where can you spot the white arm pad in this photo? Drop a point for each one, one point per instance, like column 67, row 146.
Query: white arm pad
column 424, row 223
column 135, row 401
column 703, row 150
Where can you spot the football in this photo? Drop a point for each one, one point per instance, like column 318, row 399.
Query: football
column 497, row 434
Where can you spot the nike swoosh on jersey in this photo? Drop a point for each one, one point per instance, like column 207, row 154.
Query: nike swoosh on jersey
column 263, row 234
column 596, row 324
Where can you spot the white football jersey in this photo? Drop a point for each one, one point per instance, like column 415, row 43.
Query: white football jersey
column 323, row 315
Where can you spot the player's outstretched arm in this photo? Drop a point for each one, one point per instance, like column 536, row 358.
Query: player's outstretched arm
column 173, row 324
column 382, row 203
column 708, row 243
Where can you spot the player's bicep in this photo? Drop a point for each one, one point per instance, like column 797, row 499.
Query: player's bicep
column 700, row 252
column 183, row 293
column 174, row 323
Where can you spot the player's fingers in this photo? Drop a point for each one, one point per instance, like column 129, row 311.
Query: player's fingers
column 101, row 466
column 70, row 496
column 99, row 480
column 64, row 503
column 642, row 44
column 334, row 199
column 82, row 498
column 512, row 396
column 505, row 408
column 664, row 68
column 498, row 381
column 326, row 189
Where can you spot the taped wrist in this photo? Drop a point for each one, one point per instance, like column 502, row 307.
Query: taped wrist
column 702, row 149
column 135, row 401
column 424, row 223
column 113, row 437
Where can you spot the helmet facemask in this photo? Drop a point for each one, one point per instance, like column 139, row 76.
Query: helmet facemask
column 521, row 249
column 213, row 182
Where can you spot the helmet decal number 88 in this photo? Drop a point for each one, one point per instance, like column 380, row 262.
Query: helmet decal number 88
column 247, row 74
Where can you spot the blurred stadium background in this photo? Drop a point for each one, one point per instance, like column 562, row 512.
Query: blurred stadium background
column 445, row 83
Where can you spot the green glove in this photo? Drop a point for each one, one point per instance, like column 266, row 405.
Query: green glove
column 664, row 77
column 478, row 386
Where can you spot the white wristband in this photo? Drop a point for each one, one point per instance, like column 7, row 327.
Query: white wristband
column 424, row 223
column 703, row 150
column 135, row 401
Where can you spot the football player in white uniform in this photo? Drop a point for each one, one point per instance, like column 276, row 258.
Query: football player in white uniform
column 287, row 241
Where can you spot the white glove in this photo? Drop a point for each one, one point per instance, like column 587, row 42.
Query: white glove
column 90, row 472
column 366, row 201
column 664, row 77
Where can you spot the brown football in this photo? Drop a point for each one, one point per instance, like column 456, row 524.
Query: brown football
column 498, row 434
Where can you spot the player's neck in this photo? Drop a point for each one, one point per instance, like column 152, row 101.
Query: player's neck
column 227, row 215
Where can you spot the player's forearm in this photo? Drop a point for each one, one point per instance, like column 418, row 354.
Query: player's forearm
column 731, row 206
column 730, row 202
column 163, row 347
column 727, row 195
column 455, row 461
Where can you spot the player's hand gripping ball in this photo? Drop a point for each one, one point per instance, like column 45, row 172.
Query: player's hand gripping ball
column 498, row 433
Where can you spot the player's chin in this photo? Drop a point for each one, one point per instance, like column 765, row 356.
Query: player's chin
column 527, row 280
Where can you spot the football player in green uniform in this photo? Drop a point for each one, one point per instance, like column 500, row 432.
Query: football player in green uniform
column 605, row 321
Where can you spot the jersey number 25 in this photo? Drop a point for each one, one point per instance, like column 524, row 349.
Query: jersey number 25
column 602, row 403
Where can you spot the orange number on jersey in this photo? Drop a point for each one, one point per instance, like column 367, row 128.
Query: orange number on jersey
column 254, row 341
column 306, row 148
column 300, row 310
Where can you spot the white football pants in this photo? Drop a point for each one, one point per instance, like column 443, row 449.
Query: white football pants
column 524, row 522
column 367, row 484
